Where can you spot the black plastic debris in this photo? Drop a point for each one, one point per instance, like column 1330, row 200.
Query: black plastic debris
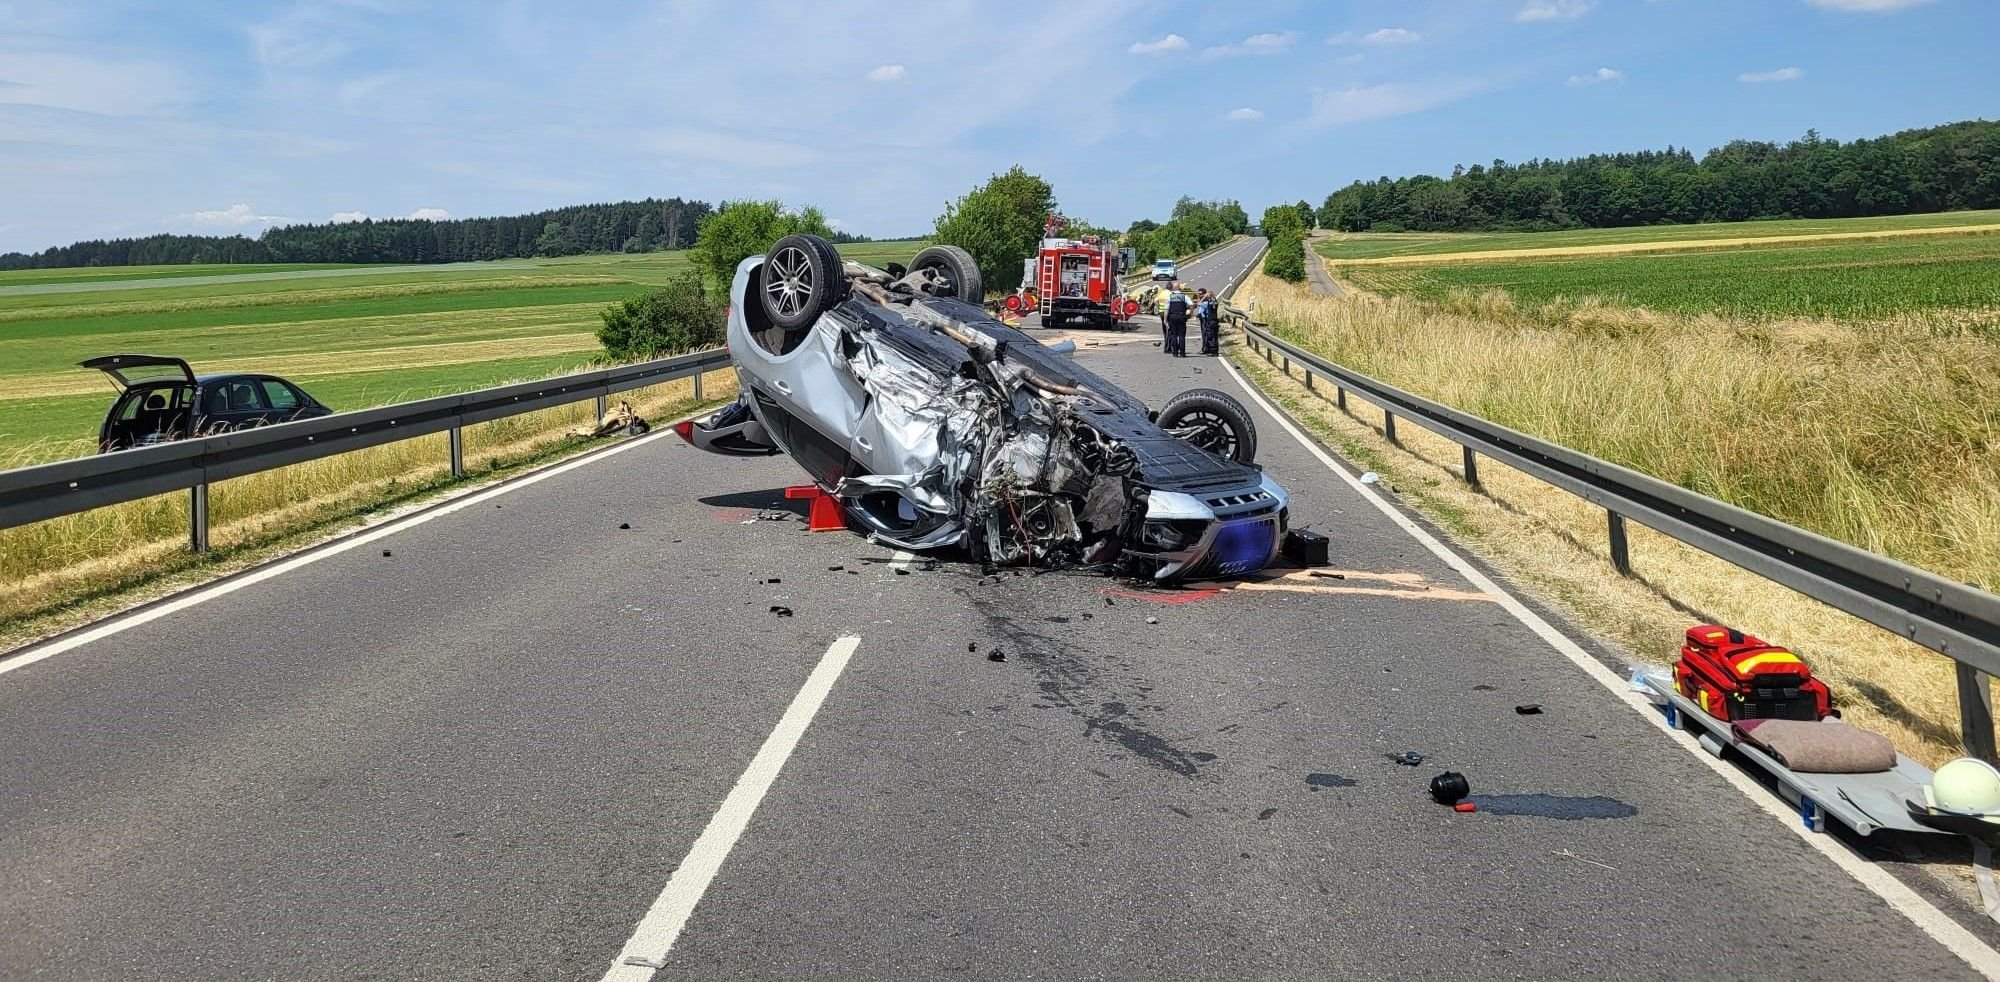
column 1329, row 576
column 774, row 580
column 1152, row 620
column 1450, row 788
column 1531, row 709
column 1408, row 758
column 385, row 552
column 781, row 611
column 835, row 569
column 1304, row 547
column 1108, row 603
column 1482, row 688
column 624, row 525
column 900, row 571
column 774, row 515
column 996, row 655
column 1086, row 615
column 930, row 566
column 971, row 646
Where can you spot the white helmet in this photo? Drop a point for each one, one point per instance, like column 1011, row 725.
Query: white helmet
column 1967, row 786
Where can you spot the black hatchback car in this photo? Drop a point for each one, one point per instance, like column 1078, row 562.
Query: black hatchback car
column 162, row 399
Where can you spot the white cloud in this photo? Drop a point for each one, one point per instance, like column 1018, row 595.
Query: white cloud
column 889, row 73
column 1255, row 44
column 342, row 217
column 1392, row 35
column 238, row 214
column 1353, row 59
column 1554, row 9
column 1172, row 42
column 1781, row 75
column 430, row 214
column 1602, row 76
column 1244, row 115
column 1869, row 6
column 1356, row 104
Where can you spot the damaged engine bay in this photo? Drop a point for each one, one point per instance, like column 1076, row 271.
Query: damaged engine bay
column 936, row 426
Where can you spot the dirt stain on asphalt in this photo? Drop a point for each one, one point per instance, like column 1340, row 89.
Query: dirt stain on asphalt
column 1318, row 781
column 1101, row 692
column 1115, row 721
column 1558, row 807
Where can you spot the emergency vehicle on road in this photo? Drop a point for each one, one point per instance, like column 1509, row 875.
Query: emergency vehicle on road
column 1075, row 279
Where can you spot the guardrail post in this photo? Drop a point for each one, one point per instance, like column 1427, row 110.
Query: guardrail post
column 600, row 407
column 1309, row 381
column 198, row 518
column 1389, row 425
column 1975, row 712
column 456, row 438
column 1288, row 364
column 1340, row 396
column 698, row 373
column 1621, row 553
column 1471, row 466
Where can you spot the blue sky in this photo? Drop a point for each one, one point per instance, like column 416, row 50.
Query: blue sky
column 126, row 119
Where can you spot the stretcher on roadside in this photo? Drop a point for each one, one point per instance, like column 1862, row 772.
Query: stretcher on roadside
column 1865, row 803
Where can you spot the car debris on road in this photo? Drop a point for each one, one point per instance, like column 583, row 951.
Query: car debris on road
column 934, row 425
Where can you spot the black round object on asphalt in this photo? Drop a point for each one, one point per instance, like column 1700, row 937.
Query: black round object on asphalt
column 1450, row 788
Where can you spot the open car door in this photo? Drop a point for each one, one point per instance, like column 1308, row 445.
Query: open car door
column 129, row 370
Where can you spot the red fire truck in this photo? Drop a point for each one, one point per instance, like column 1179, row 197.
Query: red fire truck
column 1074, row 279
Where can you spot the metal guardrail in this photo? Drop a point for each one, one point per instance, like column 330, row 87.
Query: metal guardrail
column 32, row 494
column 1954, row 619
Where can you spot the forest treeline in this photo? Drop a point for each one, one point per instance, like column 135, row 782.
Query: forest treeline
column 623, row 226
column 1941, row 168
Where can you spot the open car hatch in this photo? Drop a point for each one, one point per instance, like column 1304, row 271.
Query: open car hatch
column 129, row 370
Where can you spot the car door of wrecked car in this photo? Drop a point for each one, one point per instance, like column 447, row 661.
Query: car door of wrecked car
column 803, row 391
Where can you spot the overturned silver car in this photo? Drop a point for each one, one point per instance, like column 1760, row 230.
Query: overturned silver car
column 934, row 425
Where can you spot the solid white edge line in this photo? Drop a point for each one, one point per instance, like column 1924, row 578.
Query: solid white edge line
column 200, row 595
column 1967, row 946
column 646, row 951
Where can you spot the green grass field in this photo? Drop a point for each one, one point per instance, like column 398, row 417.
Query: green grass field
column 1841, row 280
column 1372, row 245
column 353, row 336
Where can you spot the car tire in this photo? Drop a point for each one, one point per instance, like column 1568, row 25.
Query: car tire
column 1050, row 320
column 957, row 267
column 802, row 278
column 1213, row 421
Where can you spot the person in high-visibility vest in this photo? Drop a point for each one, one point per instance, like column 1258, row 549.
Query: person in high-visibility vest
column 1177, row 315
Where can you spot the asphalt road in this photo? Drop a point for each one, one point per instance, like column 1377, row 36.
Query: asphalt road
column 1322, row 281
column 481, row 746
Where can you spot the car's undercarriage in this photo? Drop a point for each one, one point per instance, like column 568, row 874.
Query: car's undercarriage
column 972, row 434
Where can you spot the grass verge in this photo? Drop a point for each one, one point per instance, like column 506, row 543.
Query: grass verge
column 1864, row 437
